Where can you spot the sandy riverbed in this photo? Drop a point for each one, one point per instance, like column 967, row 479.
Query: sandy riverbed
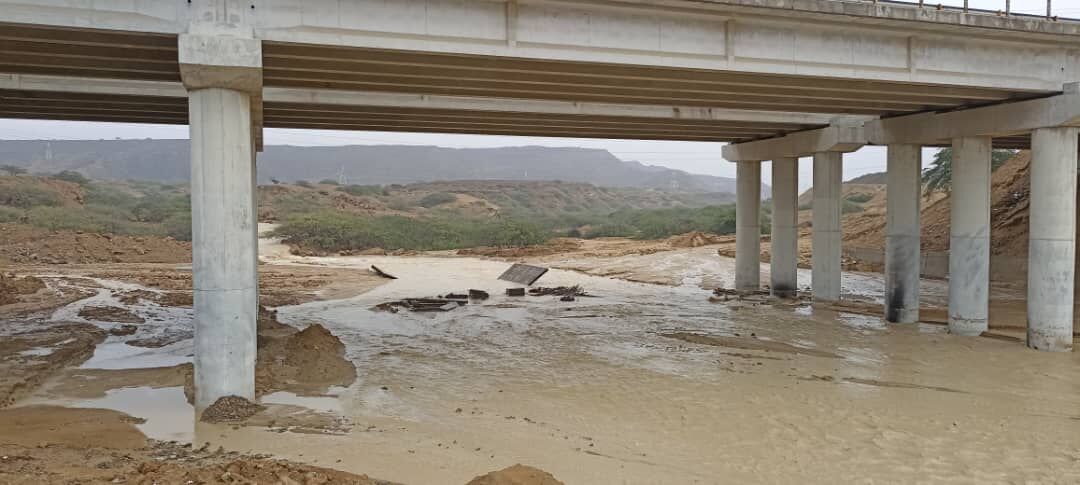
column 647, row 382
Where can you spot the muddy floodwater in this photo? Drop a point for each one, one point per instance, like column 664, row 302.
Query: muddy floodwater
column 641, row 383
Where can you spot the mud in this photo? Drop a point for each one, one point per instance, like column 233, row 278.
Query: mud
column 31, row 353
column 12, row 287
column 44, row 444
column 751, row 343
column 110, row 314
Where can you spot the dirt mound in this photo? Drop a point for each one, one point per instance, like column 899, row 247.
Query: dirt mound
column 20, row 243
column 12, row 287
column 110, row 314
column 516, row 475
column 694, row 239
column 230, row 409
column 308, row 361
column 304, row 362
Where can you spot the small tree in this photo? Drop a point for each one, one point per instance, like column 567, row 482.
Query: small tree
column 13, row 170
column 939, row 175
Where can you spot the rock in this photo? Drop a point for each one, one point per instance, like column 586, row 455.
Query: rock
column 123, row 330
column 230, row 409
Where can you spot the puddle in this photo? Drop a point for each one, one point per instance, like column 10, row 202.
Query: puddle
column 167, row 414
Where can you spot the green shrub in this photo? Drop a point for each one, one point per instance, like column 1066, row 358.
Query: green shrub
column 859, row 197
column 328, row 182
column 11, row 214
column 335, row 231
column 178, row 226
column 28, row 196
column 850, row 207
column 72, row 176
column 436, row 199
column 363, row 190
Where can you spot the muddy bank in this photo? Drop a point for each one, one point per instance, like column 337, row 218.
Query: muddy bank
column 45, row 444
column 20, row 243
column 31, row 353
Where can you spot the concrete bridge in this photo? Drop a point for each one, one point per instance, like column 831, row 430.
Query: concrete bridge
column 777, row 79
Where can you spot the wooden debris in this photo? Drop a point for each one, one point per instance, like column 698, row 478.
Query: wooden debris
column 478, row 295
column 575, row 290
column 420, row 305
column 515, row 292
column 523, row 274
column 382, row 273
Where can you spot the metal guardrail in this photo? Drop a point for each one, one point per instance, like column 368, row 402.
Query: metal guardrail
column 1006, row 8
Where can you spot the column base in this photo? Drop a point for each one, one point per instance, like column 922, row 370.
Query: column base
column 967, row 327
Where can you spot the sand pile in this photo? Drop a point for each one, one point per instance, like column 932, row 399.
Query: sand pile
column 516, row 475
column 694, row 239
column 304, row 362
column 230, row 409
column 309, row 361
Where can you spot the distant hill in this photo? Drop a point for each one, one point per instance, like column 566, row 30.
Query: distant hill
column 167, row 161
column 876, row 178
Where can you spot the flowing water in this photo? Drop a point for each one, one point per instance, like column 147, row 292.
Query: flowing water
column 649, row 384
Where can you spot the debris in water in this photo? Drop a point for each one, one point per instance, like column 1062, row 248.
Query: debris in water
column 383, row 273
column 575, row 290
column 478, row 295
column 455, row 296
column 230, row 409
column 123, row 330
column 420, row 305
column 515, row 292
column 568, row 298
column 523, row 274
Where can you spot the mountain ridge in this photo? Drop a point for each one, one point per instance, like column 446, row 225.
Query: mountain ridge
column 164, row 160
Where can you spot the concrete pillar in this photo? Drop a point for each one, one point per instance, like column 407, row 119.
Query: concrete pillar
column 902, row 255
column 224, row 253
column 1052, row 233
column 748, row 226
column 221, row 67
column 784, row 265
column 828, row 185
column 969, row 243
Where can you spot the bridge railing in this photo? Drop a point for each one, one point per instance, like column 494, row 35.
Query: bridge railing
column 1054, row 11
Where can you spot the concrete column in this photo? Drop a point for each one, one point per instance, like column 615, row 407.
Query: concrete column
column 969, row 243
column 1051, row 255
column 828, row 184
column 902, row 255
column 748, row 226
column 224, row 253
column 784, row 265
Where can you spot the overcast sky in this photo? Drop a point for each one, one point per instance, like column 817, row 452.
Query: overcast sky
column 695, row 157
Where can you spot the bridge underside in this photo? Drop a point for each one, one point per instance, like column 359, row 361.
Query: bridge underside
column 815, row 78
column 139, row 56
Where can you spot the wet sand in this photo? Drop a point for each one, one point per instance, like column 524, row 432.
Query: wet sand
column 646, row 383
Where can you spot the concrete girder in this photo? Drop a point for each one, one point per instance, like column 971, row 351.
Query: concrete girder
column 997, row 120
column 843, row 136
